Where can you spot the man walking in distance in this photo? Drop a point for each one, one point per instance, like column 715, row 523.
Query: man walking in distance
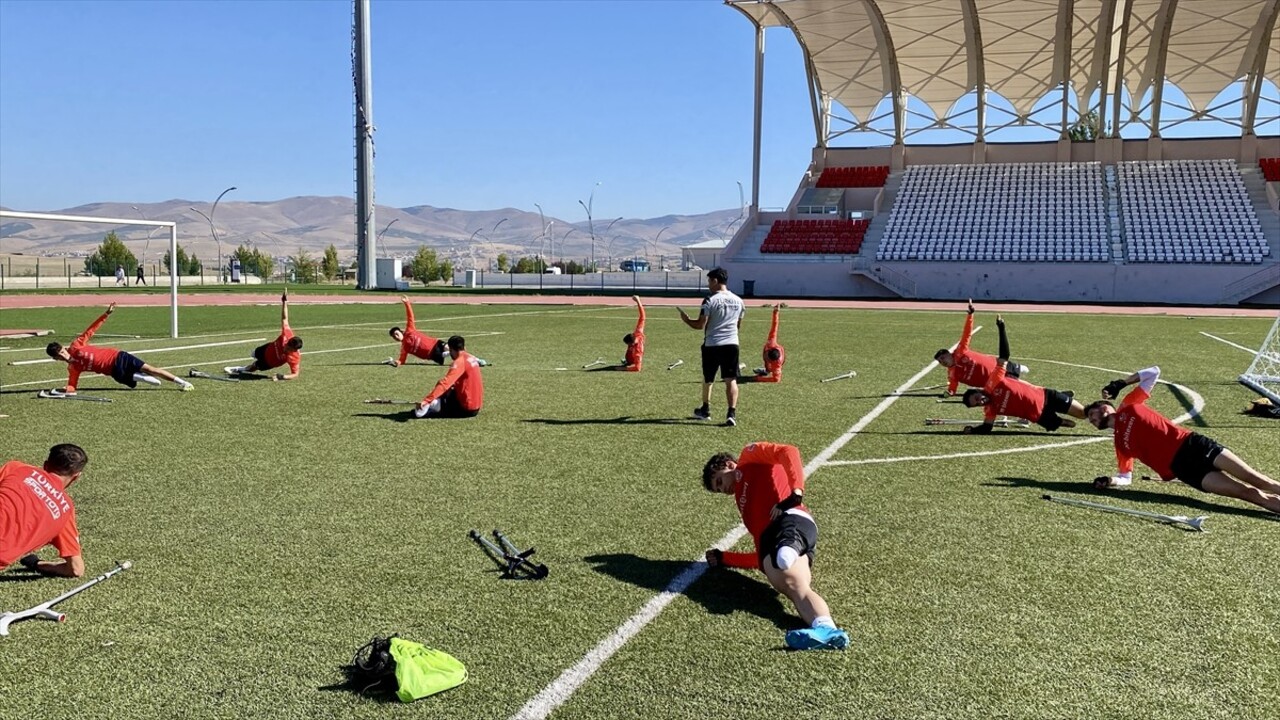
column 719, row 319
column 774, row 356
column 460, row 393
column 767, row 481
column 119, row 365
column 1010, row 396
column 35, row 511
column 1172, row 451
column 142, row 276
column 285, row 349
column 970, row 366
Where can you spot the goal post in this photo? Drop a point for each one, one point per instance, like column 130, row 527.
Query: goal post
column 173, row 247
column 1263, row 375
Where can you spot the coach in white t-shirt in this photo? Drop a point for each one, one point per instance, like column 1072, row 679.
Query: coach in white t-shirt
column 719, row 319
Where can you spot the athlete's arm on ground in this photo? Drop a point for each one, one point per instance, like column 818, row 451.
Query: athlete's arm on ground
column 295, row 369
column 73, row 377
column 446, row 382
column 64, row 567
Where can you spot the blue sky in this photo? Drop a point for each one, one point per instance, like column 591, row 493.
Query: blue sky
column 478, row 105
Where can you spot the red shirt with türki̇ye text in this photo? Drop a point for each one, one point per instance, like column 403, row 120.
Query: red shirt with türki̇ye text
column 35, row 511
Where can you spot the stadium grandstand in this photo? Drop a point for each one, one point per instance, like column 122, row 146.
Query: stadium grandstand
column 1069, row 151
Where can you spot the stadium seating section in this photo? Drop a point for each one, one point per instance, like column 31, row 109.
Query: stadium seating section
column 1270, row 169
column 1188, row 211
column 815, row 237
column 1016, row 212
column 853, row 177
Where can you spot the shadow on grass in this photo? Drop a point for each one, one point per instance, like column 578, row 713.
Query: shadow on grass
column 19, row 577
column 623, row 420
column 375, row 693
column 404, row 416
column 1142, row 496
column 957, row 430
column 721, row 591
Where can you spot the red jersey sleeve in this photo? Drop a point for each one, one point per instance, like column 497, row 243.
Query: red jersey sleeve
column 446, row 382
column 996, row 378
column 741, row 560
column 73, row 377
column 953, row 379
column 964, row 335
column 640, row 319
column 67, row 541
column 83, row 338
column 773, row 329
column 404, row 348
column 408, row 318
column 788, row 456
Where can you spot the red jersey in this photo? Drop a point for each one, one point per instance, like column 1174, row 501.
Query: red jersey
column 971, row 367
column 1145, row 434
column 413, row 342
column 767, row 473
column 634, row 359
column 1012, row 397
column 35, row 511
column 278, row 353
column 464, row 374
column 87, row 357
column 773, row 368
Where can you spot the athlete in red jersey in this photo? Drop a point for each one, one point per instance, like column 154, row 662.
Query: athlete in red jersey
column 285, row 349
column 774, row 356
column 1172, row 451
column 413, row 342
column 35, row 511
column 1010, row 396
column 633, row 361
column 119, row 365
column 970, row 366
column 767, row 481
column 460, row 393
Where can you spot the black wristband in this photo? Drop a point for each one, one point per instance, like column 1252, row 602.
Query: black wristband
column 30, row 561
column 718, row 554
column 793, row 500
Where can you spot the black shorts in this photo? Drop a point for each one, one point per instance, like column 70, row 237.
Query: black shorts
column 1054, row 402
column 126, row 366
column 1194, row 459
column 723, row 358
column 260, row 358
column 451, row 408
column 797, row 531
column 439, row 352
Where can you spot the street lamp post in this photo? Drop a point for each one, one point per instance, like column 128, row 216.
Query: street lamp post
column 655, row 238
column 590, row 226
column 471, row 248
column 562, row 239
column 212, row 230
column 378, row 239
column 543, row 219
column 489, row 240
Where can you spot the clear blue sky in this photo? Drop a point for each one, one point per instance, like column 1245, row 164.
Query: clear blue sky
column 478, row 105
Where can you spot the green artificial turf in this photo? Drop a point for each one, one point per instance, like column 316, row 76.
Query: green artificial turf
column 275, row 527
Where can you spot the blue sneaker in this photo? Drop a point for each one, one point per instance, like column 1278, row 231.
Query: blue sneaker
column 819, row 638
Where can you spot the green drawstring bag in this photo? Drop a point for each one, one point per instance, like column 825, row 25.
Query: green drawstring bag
column 422, row 671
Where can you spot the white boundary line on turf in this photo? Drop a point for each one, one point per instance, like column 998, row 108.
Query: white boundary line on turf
column 555, row 694
column 158, row 350
column 216, row 362
column 1255, row 353
column 979, row 453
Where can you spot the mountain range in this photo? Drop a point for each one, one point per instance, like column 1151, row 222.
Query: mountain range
column 310, row 224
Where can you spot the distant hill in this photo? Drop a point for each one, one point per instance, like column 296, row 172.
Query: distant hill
column 283, row 227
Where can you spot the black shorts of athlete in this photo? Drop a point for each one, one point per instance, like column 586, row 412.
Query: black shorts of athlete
column 723, row 358
column 260, row 358
column 1054, row 402
column 451, row 408
column 1194, row 459
column 792, row 530
column 439, row 352
column 125, row 367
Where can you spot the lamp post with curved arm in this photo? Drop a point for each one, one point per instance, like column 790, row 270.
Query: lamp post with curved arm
column 146, row 246
column 590, row 225
column 655, row 238
column 562, row 239
column 212, row 230
column 378, row 239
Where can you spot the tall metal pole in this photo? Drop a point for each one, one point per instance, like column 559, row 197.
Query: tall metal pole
column 755, row 143
column 362, row 75
column 213, row 210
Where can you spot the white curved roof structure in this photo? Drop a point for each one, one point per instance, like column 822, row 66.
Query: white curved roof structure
column 1090, row 54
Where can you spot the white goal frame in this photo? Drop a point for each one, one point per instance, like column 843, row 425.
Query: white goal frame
column 1263, row 375
column 173, row 247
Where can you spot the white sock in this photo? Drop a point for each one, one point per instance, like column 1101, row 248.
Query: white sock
column 823, row 621
column 146, row 379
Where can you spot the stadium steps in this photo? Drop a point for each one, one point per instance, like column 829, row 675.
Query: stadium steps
column 875, row 231
column 1256, row 186
column 1114, row 223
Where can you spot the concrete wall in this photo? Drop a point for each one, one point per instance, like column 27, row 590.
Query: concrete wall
column 803, row 279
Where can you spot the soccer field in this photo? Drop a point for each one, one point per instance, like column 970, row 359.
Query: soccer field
column 275, row 527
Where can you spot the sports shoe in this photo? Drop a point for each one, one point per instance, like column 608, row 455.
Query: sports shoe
column 483, row 363
column 819, row 638
column 731, row 421
column 760, row 372
column 185, row 386
column 701, row 414
column 1120, row 481
column 233, row 369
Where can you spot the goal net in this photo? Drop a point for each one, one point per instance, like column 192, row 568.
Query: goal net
column 1263, row 375
column 8, row 279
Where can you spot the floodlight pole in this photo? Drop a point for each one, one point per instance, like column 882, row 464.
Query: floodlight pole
column 590, row 226
column 362, row 77
column 213, row 210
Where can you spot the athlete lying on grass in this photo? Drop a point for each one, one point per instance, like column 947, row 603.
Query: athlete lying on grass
column 968, row 366
column 1015, row 398
column 118, row 365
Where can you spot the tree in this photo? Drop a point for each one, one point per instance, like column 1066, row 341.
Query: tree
column 504, row 262
column 111, row 254
column 1087, row 129
column 304, row 267
column 253, row 260
column 446, row 271
column 424, row 267
column 329, row 265
column 526, row 265
column 194, row 266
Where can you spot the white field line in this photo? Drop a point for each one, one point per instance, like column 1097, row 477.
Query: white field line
column 215, row 362
column 151, row 351
column 982, row 453
column 554, row 695
column 1270, row 356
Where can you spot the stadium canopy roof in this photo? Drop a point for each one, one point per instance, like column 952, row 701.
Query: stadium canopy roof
column 1107, row 56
